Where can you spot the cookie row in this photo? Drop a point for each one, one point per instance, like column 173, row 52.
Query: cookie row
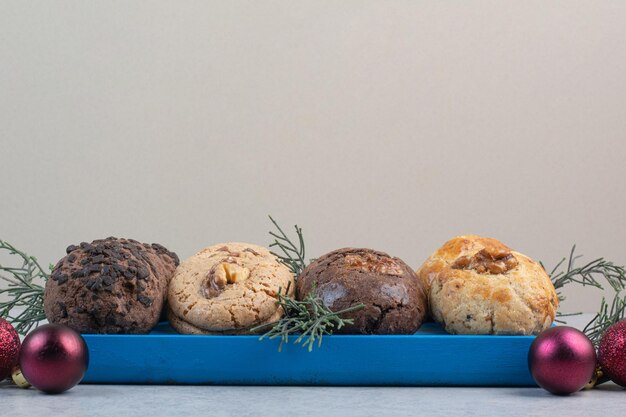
column 472, row 285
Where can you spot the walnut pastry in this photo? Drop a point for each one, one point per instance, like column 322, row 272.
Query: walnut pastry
column 478, row 285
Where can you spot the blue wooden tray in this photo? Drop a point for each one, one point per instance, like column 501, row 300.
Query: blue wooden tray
column 429, row 357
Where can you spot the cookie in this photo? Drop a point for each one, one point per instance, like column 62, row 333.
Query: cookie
column 184, row 327
column 228, row 288
column 110, row 286
column 478, row 285
column 395, row 302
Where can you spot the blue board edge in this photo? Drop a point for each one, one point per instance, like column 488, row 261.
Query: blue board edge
column 430, row 357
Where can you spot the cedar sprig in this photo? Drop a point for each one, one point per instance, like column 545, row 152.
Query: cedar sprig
column 593, row 274
column 23, row 290
column 607, row 316
column 588, row 275
column 291, row 254
column 308, row 320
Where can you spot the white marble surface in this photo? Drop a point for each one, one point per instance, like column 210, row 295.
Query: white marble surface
column 155, row 401
column 214, row 401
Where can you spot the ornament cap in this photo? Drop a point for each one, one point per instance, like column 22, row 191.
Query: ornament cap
column 19, row 379
column 597, row 379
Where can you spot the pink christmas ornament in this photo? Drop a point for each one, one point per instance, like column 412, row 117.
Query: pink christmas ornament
column 54, row 358
column 562, row 360
column 612, row 353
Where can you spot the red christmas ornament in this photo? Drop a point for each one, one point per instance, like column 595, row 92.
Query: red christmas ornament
column 612, row 353
column 9, row 348
column 562, row 360
column 54, row 358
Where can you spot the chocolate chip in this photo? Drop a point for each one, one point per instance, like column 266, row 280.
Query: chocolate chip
column 97, row 284
column 86, row 246
column 78, row 274
column 109, row 319
column 128, row 274
column 98, row 259
column 146, row 301
column 107, row 280
column 63, row 309
column 62, row 279
column 142, row 273
column 84, row 261
column 106, row 269
column 94, row 268
column 71, row 258
column 71, row 248
column 112, row 254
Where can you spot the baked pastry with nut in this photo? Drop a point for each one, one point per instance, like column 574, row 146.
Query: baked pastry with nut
column 228, row 288
column 395, row 302
column 110, row 286
column 478, row 285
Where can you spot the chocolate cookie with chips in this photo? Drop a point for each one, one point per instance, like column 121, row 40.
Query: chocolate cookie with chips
column 110, row 286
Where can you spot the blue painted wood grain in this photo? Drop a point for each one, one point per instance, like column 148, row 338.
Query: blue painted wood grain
column 430, row 357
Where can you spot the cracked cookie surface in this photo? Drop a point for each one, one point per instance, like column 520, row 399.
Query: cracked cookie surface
column 395, row 302
column 227, row 288
column 478, row 285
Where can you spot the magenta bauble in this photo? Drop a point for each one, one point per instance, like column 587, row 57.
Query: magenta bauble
column 612, row 353
column 9, row 348
column 562, row 360
column 54, row 358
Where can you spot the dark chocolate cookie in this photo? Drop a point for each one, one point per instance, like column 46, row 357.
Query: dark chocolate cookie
column 395, row 302
column 110, row 286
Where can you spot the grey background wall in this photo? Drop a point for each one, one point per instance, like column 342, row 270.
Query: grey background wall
column 394, row 125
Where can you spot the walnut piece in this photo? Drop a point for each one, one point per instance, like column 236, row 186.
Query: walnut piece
column 223, row 274
column 492, row 261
